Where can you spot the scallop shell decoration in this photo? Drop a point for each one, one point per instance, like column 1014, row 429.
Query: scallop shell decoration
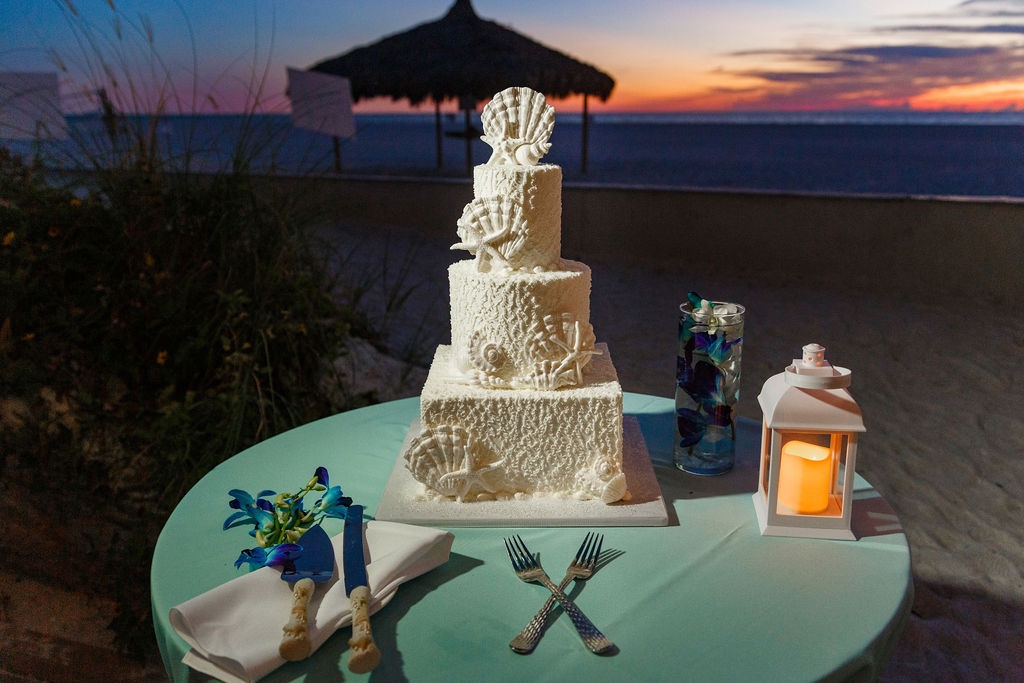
column 447, row 459
column 492, row 229
column 517, row 124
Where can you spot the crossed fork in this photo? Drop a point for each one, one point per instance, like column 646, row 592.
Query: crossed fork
column 582, row 567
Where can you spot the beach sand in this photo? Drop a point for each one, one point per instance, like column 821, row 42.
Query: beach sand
column 940, row 383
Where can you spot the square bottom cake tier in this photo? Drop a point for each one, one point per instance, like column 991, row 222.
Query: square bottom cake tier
column 484, row 444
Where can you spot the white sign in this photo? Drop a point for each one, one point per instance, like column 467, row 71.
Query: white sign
column 30, row 106
column 321, row 102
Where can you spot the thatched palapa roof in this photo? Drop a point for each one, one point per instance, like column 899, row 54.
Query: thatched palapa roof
column 462, row 56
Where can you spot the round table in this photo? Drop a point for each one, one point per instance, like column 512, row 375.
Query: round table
column 706, row 598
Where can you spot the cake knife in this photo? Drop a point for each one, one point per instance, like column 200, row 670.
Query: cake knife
column 363, row 654
column 314, row 565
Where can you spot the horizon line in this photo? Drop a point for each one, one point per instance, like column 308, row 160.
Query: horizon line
column 411, row 111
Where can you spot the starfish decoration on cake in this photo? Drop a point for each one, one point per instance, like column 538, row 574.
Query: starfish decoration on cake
column 481, row 247
column 462, row 480
column 577, row 351
column 449, row 460
column 566, row 346
column 492, row 229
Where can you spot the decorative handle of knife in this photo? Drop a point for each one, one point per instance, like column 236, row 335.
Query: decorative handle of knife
column 295, row 641
column 364, row 655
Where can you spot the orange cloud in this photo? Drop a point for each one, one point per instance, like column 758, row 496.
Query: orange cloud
column 997, row 95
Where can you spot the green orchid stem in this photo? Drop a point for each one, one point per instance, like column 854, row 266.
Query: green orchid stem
column 286, row 520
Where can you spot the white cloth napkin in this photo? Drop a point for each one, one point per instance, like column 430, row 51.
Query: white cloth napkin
column 234, row 630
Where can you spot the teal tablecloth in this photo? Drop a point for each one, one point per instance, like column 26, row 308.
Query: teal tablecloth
column 705, row 599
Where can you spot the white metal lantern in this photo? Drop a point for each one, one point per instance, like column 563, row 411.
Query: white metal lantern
column 808, row 450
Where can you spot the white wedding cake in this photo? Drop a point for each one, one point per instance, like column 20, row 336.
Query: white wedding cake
column 523, row 403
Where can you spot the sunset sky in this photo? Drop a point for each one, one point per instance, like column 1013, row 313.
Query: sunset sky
column 665, row 55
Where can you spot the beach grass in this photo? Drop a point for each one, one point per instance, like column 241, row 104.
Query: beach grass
column 153, row 325
column 154, row 321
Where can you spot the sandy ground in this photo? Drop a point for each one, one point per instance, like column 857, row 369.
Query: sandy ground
column 55, row 635
column 940, row 383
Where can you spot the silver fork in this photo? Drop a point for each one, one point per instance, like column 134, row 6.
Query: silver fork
column 528, row 569
column 580, row 569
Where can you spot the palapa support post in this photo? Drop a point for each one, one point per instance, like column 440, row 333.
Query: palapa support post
column 468, row 104
column 437, row 134
column 586, row 136
column 469, row 145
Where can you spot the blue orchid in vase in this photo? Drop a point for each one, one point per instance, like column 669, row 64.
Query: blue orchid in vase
column 707, row 369
column 280, row 519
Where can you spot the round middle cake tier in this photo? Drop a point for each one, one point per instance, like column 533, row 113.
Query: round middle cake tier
column 521, row 330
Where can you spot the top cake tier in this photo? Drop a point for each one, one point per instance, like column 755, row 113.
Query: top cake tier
column 514, row 222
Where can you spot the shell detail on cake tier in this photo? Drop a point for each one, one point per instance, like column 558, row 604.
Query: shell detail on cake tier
column 564, row 346
column 603, row 480
column 489, row 360
column 492, row 229
column 486, row 356
column 548, row 375
column 517, row 123
column 447, row 459
column 560, row 345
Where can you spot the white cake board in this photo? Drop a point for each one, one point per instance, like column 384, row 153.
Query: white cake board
column 403, row 498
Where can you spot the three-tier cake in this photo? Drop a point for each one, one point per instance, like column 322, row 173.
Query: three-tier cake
column 523, row 403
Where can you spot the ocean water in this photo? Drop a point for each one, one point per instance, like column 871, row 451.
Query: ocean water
column 878, row 153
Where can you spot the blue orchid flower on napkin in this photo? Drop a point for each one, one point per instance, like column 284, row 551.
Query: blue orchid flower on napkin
column 280, row 519
column 282, row 554
column 333, row 503
column 257, row 511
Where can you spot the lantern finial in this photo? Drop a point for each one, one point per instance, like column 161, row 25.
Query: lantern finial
column 814, row 372
column 814, row 355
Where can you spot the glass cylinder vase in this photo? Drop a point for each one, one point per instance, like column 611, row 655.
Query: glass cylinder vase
column 708, row 386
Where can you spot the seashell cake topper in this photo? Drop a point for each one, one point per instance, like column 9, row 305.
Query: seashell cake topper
column 517, row 124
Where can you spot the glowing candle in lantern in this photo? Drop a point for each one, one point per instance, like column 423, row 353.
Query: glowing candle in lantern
column 805, row 477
